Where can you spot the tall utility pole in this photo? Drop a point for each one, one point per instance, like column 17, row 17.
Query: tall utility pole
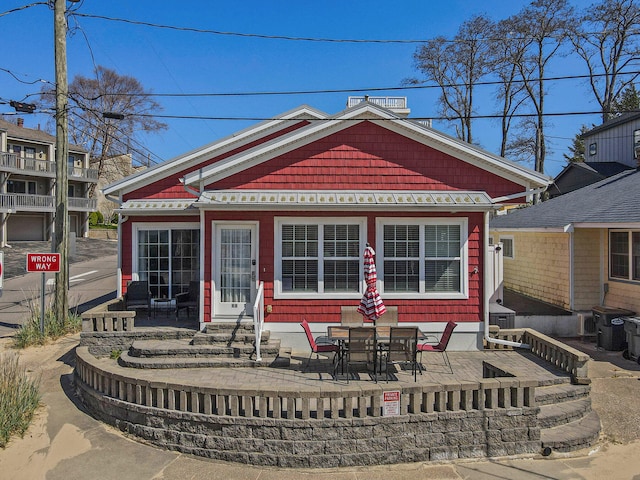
column 61, row 225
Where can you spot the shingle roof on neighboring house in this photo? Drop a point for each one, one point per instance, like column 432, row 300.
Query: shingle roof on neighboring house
column 31, row 134
column 614, row 200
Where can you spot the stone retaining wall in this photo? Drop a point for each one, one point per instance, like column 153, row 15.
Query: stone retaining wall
column 491, row 417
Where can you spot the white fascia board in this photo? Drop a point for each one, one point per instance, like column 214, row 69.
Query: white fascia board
column 216, row 148
column 630, row 225
column 529, row 229
column 471, row 154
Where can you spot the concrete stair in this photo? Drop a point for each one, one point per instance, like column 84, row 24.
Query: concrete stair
column 220, row 345
column 567, row 422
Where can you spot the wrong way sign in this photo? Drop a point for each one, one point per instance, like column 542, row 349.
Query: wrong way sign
column 43, row 262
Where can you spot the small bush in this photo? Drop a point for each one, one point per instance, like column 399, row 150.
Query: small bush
column 95, row 218
column 115, row 354
column 29, row 333
column 19, row 398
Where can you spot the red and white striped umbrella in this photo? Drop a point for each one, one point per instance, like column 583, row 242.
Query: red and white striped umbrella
column 371, row 305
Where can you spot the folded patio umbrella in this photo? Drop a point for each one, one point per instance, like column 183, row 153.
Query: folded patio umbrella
column 371, row 305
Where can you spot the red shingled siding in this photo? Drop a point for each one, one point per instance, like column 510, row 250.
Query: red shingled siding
column 368, row 157
column 170, row 187
column 316, row 310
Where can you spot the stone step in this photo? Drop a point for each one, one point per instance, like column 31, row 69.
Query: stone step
column 557, row 414
column 184, row 348
column 230, row 326
column 281, row 360
column 564, row 392
column 242, row 336
column 576, row 435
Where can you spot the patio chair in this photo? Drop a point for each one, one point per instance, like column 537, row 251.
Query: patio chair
column 441, row 346
column 138, row 296
column 349, row 317
column 321, row 345
column 362, row 348
column 402, row 349
column 189, row 299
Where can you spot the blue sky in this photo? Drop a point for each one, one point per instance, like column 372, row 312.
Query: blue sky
column 168, row 61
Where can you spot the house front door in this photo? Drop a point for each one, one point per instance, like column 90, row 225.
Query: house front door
column 235, row 267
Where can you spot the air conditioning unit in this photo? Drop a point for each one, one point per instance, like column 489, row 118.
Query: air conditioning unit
column 586, row 325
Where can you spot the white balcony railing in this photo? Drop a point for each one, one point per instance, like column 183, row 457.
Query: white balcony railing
column 12, row 162
column 384, row 102
column 14, row 202
column 22, row 201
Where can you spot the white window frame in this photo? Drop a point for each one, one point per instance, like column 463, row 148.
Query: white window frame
column 630, row 256
column 463, row 223
column 158, row 226
column 508, row 238
column 320, row 221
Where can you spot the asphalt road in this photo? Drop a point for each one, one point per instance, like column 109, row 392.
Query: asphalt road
column 92, row 280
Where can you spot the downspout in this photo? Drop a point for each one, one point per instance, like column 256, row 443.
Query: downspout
column 485, row 295
column 121, row 219
column 570, row 230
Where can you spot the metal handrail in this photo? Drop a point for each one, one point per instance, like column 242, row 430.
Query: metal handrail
column 258, row 319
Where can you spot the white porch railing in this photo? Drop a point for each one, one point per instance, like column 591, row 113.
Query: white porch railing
column 258, row 319
column 384, row 102
column 15, row 163
column 78, row 203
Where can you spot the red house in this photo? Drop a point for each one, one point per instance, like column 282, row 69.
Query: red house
column 273, row 221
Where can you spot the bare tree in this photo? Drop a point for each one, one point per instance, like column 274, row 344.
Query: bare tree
column 540, row 30
column 456, row 66
column 607, row 40
column 104, row 138
column 511, row 92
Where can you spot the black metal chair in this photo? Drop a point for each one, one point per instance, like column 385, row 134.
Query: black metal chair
column 189, row 299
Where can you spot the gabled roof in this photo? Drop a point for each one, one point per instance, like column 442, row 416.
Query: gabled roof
column 366, row 111
column 610, row 202
column 614, row 122
column 31, row 135
column 218, row 147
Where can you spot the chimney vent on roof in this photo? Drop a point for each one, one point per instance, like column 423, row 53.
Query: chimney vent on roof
column 20, row 122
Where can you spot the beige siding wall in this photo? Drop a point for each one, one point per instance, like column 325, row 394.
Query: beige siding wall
column 587, row 281
column 621, row 294
column 540, row 267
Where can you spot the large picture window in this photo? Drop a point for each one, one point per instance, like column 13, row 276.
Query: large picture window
column 624, row 255
column 168, row 259
column 425, row 257
column 319, row 257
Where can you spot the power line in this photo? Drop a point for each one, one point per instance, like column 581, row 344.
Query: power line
column 300, row 39
column 24, row 7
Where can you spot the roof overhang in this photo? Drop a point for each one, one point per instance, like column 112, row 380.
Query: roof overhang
column 158, row 207
column 450, row 201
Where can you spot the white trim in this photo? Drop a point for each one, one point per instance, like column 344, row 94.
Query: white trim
column 630, row 263
column 501, row 239
column 215, row 263
column 462, row 222
column 211, row 150
column 137, row 226
column 381, row 117
column 278, row 222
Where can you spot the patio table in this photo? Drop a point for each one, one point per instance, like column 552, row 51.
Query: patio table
column 340, row 335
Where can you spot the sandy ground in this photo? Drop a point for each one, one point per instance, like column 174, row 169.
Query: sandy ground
column 64, row 442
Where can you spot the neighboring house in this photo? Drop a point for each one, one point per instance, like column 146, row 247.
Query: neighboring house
column 578, row 250
column 610, row 148
column 291, row 203
column 580, row 174
column 27, row 185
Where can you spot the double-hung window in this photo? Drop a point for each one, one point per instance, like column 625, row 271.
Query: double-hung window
column 319, row 257
column 427, row 257
column 624, row 255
